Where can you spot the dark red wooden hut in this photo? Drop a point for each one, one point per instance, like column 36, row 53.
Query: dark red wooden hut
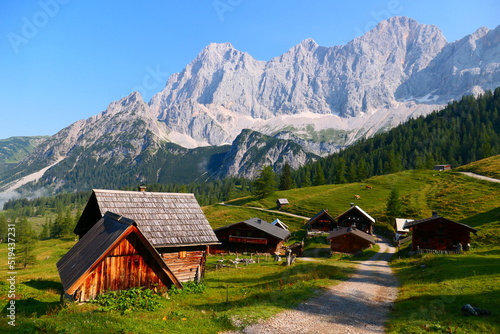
column 172, row 222
column 322, row 222
column 252, row 235
column 113, row 255
column 350, row 240
column 439, row 233
column 355, row 216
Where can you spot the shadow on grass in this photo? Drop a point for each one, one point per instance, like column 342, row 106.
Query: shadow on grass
column 438, row 268
column 446, row 308
column 32, row 307
column 242, row 201
column 483, row 218
column 44, row 285
column 297, row 271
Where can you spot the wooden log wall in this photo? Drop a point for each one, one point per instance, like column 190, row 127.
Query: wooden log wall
column 185, row 264
column 125, row 267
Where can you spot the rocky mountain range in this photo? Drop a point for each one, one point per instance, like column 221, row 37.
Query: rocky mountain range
column 310, row 101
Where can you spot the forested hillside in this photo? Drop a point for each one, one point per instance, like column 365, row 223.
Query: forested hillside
column 463, row 132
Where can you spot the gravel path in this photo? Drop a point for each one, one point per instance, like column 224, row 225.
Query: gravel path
column 481, row 177
column 359, row 305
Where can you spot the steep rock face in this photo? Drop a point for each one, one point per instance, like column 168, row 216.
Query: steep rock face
column 470, row 65
column 124, row 129
column 224, row 90
column 251, row 151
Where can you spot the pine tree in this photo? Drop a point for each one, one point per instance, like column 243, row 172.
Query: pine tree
column 394, row 205
column 265, row 184
column 319, row 175
column 25, row 243
column 286, row 181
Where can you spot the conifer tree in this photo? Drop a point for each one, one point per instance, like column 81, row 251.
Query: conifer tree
column 286, row 181
column 265, row 184
column 394, row 205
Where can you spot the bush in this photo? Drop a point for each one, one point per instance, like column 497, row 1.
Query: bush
column 190, row 287
column 127, row 301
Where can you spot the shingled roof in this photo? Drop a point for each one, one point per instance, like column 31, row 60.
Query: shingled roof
column 165, row 219
column 264, row 226
column 350, row 230
column 413, row 223
column 94, row 246
column 354, row 208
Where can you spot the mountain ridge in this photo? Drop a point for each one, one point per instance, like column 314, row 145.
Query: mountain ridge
column 323, row 98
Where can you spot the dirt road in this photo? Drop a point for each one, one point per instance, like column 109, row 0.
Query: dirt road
column 359, row 305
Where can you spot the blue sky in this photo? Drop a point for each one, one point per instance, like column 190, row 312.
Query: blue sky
column 65, row 60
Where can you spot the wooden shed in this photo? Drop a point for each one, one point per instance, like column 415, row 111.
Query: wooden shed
column 173, row 223
column 113, row 255
column 322, row 222
column 357, row 217
column 350, row 240
column 281, row 202
column 252, row 235
column 439, row 233
column 442, row 167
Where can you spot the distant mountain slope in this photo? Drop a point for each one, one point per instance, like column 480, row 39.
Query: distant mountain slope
column 465, row 131
column 15, row 149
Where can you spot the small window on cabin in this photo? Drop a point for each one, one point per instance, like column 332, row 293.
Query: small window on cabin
column 182, row 254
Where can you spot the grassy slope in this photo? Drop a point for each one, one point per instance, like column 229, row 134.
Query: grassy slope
column 252, row 292
column 487, row 167
column 430, row 298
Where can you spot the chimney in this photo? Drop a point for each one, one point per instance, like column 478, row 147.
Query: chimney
column 435, row 214
column 142, row 188
column 352, row 204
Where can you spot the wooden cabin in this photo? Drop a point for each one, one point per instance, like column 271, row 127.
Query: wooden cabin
column 253, row 235
column 399, row 226
column 173, row 223
column 281, row 202
column 350, row 240
column 439, row 233
column 322, row 222
column 357, row 217
column 280, row 224
column 112, row 255
column 442, row 167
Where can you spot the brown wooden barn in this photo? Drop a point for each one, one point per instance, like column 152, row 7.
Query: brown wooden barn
column 112, row 255
column 322, row 222
column 173, row 223
column 439, row 233
column 350, row 240
column 252, row 235
column 355, row 216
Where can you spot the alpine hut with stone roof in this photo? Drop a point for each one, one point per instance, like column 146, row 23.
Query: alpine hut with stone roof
column 112, row 255
column 322, row 222
column 350, row 240
column 172, row 222
column 357, row 217
column 253, row 235
column 439, row 233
